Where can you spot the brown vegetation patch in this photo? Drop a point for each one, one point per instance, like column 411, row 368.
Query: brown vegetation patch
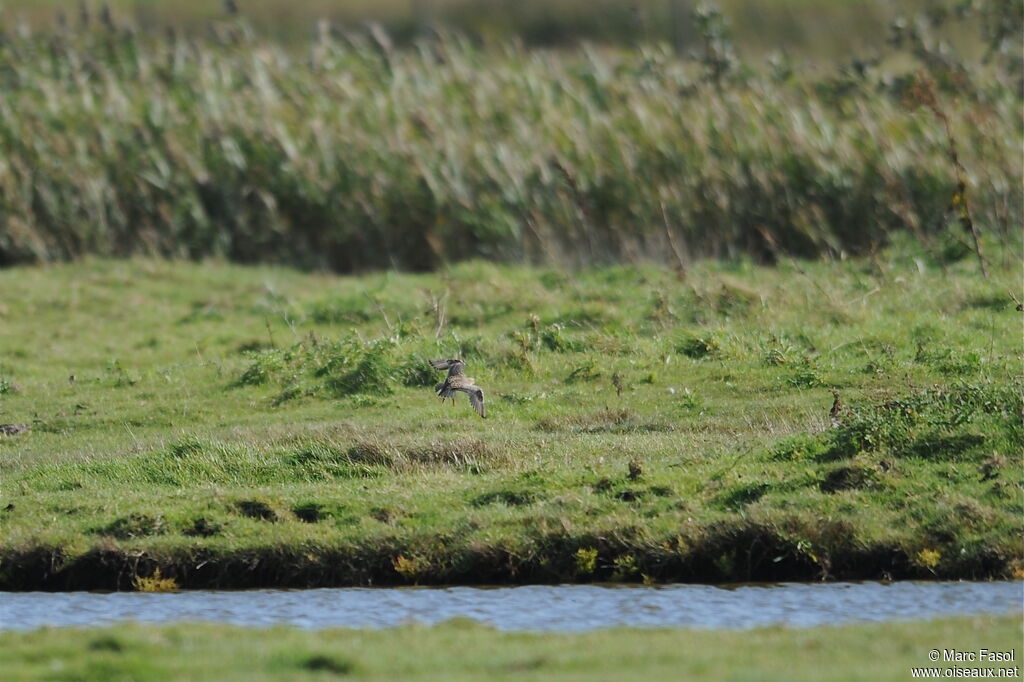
column 309, row 512
column 134, row 526
column 602, row 421
column 385, row 515
column 853, row 477
column 511, row 498
column 203, row 527
column 328, row 664
column 468, row 454
column 256, row 509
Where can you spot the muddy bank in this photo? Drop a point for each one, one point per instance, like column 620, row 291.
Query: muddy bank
column 723, row 554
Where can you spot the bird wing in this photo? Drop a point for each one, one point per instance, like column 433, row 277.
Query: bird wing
column 476, row 399
column 454, row 366
column 444, row 390
column 475, row 393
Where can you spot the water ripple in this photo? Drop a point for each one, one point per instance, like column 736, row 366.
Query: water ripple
column 532, row 607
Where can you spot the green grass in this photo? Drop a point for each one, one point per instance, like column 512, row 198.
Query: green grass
column 142, row 653
column 238, row 426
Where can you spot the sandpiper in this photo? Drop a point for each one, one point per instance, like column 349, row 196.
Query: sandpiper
column 458, row 381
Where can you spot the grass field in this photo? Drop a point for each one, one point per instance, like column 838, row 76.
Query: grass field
column 863, row 652
column 240, row 426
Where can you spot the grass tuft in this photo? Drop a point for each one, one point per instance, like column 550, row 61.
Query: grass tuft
column 155, row 583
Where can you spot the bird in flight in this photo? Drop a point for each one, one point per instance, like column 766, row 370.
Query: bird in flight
column 458, row 381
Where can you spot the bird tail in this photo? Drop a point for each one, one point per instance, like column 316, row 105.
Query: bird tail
column 443, row 390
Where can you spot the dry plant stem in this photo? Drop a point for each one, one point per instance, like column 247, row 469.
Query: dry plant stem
column 676, row 251
column 959, row 203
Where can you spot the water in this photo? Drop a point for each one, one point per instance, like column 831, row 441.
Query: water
column 535, row 607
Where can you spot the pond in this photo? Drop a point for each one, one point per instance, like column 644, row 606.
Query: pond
column 532, row 607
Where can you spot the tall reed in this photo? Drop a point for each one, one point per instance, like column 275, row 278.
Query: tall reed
column 356, row 155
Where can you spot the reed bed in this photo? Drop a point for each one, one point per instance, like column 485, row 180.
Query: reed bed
column 807, row 27
column 354, row 154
